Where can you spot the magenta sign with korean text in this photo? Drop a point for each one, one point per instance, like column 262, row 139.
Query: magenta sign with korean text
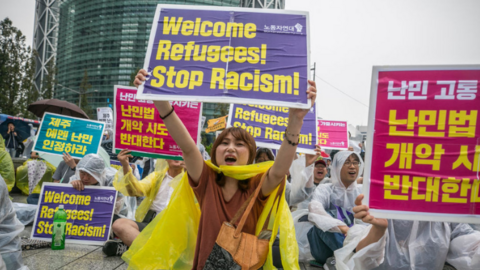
column 138, row 126
column 332, row 134
column 423, row 150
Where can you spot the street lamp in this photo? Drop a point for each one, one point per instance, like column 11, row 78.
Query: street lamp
column 78, row 92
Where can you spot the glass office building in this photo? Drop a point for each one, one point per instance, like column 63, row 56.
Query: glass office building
column 108, row 39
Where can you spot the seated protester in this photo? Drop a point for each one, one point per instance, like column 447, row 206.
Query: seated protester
column 403, row 244
column 264, row 154
column 329, row 166
column 156, row 187
column 302, row 179
column 90, row 171
column 10, row 230
column 319, row 177
column 331, row 206
column 66, row 169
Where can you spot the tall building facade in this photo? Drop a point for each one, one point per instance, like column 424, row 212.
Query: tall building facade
column 45, row 39
column 108, row 39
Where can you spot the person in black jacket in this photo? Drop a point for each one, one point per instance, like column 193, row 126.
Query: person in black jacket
column 12, row 140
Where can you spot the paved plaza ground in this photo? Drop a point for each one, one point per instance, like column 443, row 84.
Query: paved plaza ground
column 74, row 256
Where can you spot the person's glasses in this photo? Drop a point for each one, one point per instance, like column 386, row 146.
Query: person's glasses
column 348, row 163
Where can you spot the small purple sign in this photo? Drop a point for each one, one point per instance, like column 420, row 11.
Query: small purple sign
column 228, row 55
column 89, row 213
column 267, row 125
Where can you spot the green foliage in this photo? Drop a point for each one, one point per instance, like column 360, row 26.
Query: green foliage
column 84, row 86
column 208, row 148
column 31, row 94
column 221, row 109
column 16, row 65
column 48, row 83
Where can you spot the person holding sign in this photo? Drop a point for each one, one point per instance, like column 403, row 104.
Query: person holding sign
column 331, row 206
column 221, row 187
column 404, row 244
column 156, row 187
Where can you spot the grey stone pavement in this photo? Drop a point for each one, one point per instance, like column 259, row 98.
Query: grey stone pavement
column 77, row 257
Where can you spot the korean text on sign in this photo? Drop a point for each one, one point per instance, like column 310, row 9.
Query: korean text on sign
column 59, row 134
column 332, row 134
column 425, row 150
column 138, row 126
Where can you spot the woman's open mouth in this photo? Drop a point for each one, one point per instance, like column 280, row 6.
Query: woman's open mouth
column 230, row 159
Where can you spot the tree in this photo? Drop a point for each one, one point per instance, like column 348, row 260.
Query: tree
column 29, row 93
column 221, row 109
column 14, row 56
column 49, row 81
column 84, row 86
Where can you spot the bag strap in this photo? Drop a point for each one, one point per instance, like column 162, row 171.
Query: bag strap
column 246, row 208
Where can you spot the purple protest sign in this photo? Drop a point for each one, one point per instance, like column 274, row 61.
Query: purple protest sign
column 267, row 125
column 89, row 213
column 229, row 55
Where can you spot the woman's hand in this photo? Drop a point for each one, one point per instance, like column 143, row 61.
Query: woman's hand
column 123, row 157
column 310, row 159
column 140, row 78
column 311, row 94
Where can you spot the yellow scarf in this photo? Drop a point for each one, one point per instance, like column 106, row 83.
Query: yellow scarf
column 169, row 241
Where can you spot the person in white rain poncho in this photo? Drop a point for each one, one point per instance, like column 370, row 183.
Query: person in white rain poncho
column 10, row 229
column 329, row 214
column 402, row 244
column 91, row 171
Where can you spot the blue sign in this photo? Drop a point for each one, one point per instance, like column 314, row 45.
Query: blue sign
column 78, row 137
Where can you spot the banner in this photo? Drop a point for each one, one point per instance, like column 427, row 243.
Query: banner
column 138, row 126
column 267, row 125
column 228, row 55
column 332, row 134
column 89, row 213
column 216, row 124
column 59, row 133
column 423, row 154
column 105, row 114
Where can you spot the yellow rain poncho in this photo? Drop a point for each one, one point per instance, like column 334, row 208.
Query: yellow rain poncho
column 7, row 170
column 22, row 177
column 128, row 185
column 168, row 242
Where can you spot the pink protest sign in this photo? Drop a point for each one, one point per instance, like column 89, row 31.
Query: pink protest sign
column 138, row 126
column 332, row 134
column 423, row 151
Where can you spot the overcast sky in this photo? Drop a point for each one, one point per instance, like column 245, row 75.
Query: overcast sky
column 349, row 37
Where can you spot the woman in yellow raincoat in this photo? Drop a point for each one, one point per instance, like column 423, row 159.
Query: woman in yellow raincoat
column 156, row 188
column 220, row 187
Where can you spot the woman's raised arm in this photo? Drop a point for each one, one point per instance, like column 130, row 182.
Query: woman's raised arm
column 192, row 156
column 287, row 151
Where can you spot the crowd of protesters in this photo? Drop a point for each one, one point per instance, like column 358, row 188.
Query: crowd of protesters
column 323, row 196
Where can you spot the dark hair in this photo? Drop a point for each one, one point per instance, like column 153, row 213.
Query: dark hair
column 355, row 157
column 239, row 134
column 265, row 151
